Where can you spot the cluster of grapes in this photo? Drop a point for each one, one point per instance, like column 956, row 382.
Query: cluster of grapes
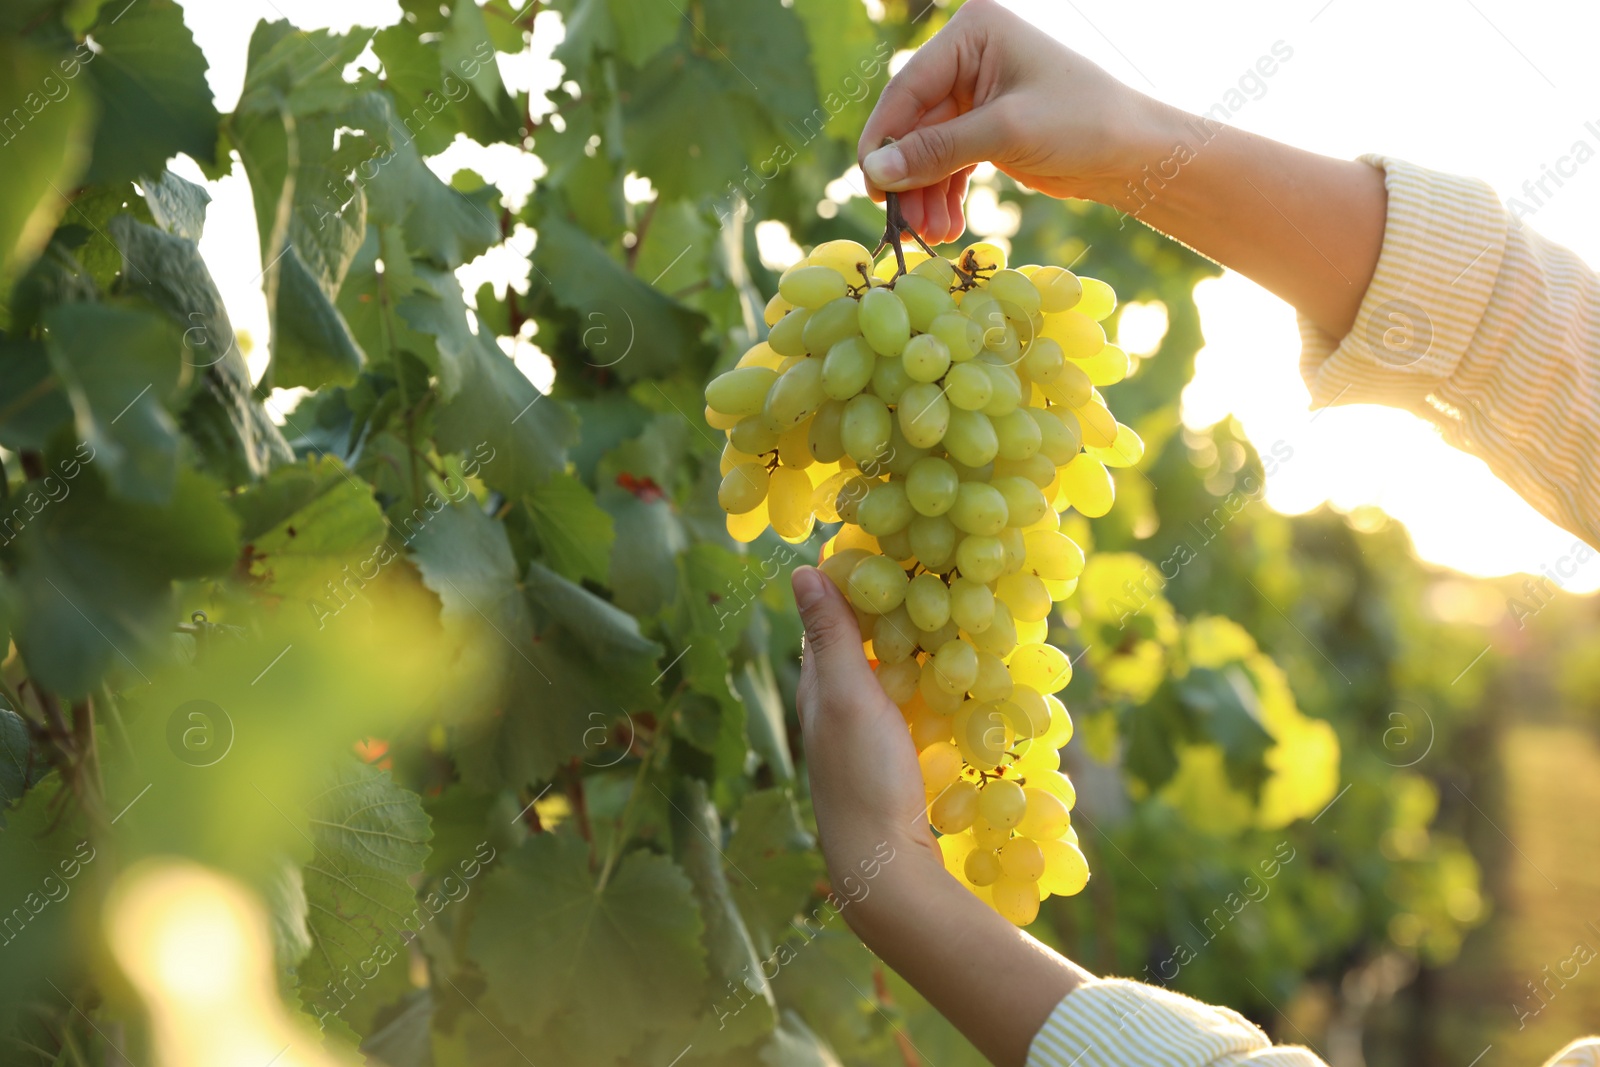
column 945, row 414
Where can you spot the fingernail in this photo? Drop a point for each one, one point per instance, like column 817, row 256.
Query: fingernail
column 885, row 166
column 808, row 591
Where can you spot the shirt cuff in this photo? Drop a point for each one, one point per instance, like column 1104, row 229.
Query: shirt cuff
column 1111, row 1022
column 1442, row 246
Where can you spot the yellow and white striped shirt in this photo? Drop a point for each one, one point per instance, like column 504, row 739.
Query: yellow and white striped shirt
column 1492, row 333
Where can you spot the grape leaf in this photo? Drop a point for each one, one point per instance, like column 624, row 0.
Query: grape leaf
column 849, row 62
column 305, row 525
column 150, row 79
column 370, row 837
column 575, row 533
column 648, row 539
column 34, row 404
column 20, row 768
column 119, row 393
column 177, row 204
column 644, row 28
column 614, row 962
column 607, row 634
column 1227, row 710
column 779, row 863
column 716, row 591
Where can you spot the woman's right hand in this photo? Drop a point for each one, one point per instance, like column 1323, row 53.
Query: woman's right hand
column 991, row 87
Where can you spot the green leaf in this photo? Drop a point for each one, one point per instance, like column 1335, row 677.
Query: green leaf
column 370, row 838
column 574, row 532
column 20, row 767
column 425, row 99
column 312, row 346
column 780, row 864
column 95, row 576
column 643, row 28
column 119, row 391
column 44, row 158
column 627, row 325
column 715, row 594
column 764, row 716
column 32, row 403
column 794, row 1045
column 467, row 51
column 150, row 79
column 849, row 61
column 177, row 204
column 442, row 225
column 615, row 963
column 465, row 558
column 1227, row 710
column 307, row 523
column 649, row 537
column 607, row 634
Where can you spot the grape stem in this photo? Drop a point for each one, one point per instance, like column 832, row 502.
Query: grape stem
column 895, row 225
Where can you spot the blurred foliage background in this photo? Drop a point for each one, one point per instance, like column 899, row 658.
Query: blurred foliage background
column 467, row 687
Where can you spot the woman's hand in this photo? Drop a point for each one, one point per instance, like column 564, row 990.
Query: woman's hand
column 990, row 87
column 866, row 786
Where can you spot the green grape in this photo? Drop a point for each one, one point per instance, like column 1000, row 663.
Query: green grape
column 1003, row 340
column 794, row 448
column 743, row 488
column 1036, row 711
column 831, row 323
column 1002, row 803
column 941, row 766
column 980, row 508
column 924, row 299
column 903, row 455
column 968, row 386
column 931, row 486
column 980, row 558
column 822, row 435
column 933, row 540
column 1098, row 425
column 985, row 834
column 984, row 310
column 1071, row 387
column 890, row 380
column 1057, row 441
column 789, row 502
column 1021, row 859
column 1015, row 548
column 1025, row 595
column 982, row 866
column 850, row 258
column 811, row 287
column 885, row 509
column 1078, row 335
column 732, row 457
column 933, row 640
column 838, row 566
column 894, row 638
column 1059, row 289
column 1001, row 636
column 1015, row 717
column 1108, row 366
column 925, row 359
column 898, row 679
column 973, row 474
column 1017, row 288
column 851, row 494
column 864, row 428
column 1088, row 486
column 1005, row 390
column 1037, row 468
column 1125, row 451
column 775, row 310
column 972, row 605
column 785, row 337
column 1046, row 817
column 1016, row 435
column 741, row 391
column 1016, row 901
column 938, row 699
column 993, row 683
column 847, row 368
column 877, row 584
column 981, row 257
column 1025, row 504
column 962, row 336
column 956, row 666
column 1066, row 872
column 981, row 735
column 954, row 809
column 897, row 546
column 1043, row 361
column 1053, row 556
column 1042, row 668
column 795, row 396
column 752, row 434
column 1099, row 299
column 884, row 322
column 825, row 497
column 928, row 602
column 923, row 415
column 970, row 438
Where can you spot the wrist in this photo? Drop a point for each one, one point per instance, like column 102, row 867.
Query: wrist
column 874, row 875
column 1156, row 141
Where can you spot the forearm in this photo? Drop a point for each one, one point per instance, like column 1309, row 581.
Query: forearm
column 990, row 979
column 1306, row 227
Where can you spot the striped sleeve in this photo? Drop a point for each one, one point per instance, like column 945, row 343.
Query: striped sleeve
column 1112, row 1022
column 1484, row 328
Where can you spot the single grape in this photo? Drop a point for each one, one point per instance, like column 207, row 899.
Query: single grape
column 849, row 258
column 1046, row 818
column 1025, row 504
column 789, row 502
column 980, row 508
column 1015, row 547
column 980, row 558
column 953, row 850
column 741, row 391
column 795, row 396
column 785, row 337
column 829, row 324
column 877, row 584
column 1071, row 388
column 971, row 605
column 941, row 766
column 1059, row 289
column 969, row 386
column 743, row 488
column 1078, row 335
column 1017, row 434
column 923, row 415
column 732, row 457
column 897, row 546
column 955, row 808
column 894, row 639
column 775, row 310
column 962, row 336
column 987, row 835
column 928, row 602
column 933, row 540
column 822, row 435
column 1015, row 287
column 925, row 300
column 1043, row 361
column 718, row 421
column 994, row 683
column 936, row 269
column 848, row 368
column 927, row 725
column 749, row 526
column 851, row 494
column 884, row 322
column 940, row 700
column 794, row 446
column 982, row 866
column 1099, row 427
column 1099, row 299
column 1002, row 803
column 1125, row 451
column 898, row 678
column 1035, row 708
column 931, row 486
column 1043, row 668
column 1021, row 859
column 1108, row 366
column 956, row 666
column 981, row 734
column 925, row 358
column 864, row 428
column 1003, row 340
column 1000, row 639
column 1053, row 555
column 752, row 434
column 1087, row 485
column 1005, row 393
column 885, row 510
column 970, row 438
column 981, row 257
column 1066, row 872
column 1037, row 468
column 1025, row 595
column 890, row 380
column 811, row 287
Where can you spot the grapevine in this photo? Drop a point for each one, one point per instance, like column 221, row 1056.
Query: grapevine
column 943, row 413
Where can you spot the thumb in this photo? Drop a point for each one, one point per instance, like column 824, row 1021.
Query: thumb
column 833, row 640
column 928, row 155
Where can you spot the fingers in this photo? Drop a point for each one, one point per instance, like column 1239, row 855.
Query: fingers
column 929, row 154
column 834, row 662
column 926, row 81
